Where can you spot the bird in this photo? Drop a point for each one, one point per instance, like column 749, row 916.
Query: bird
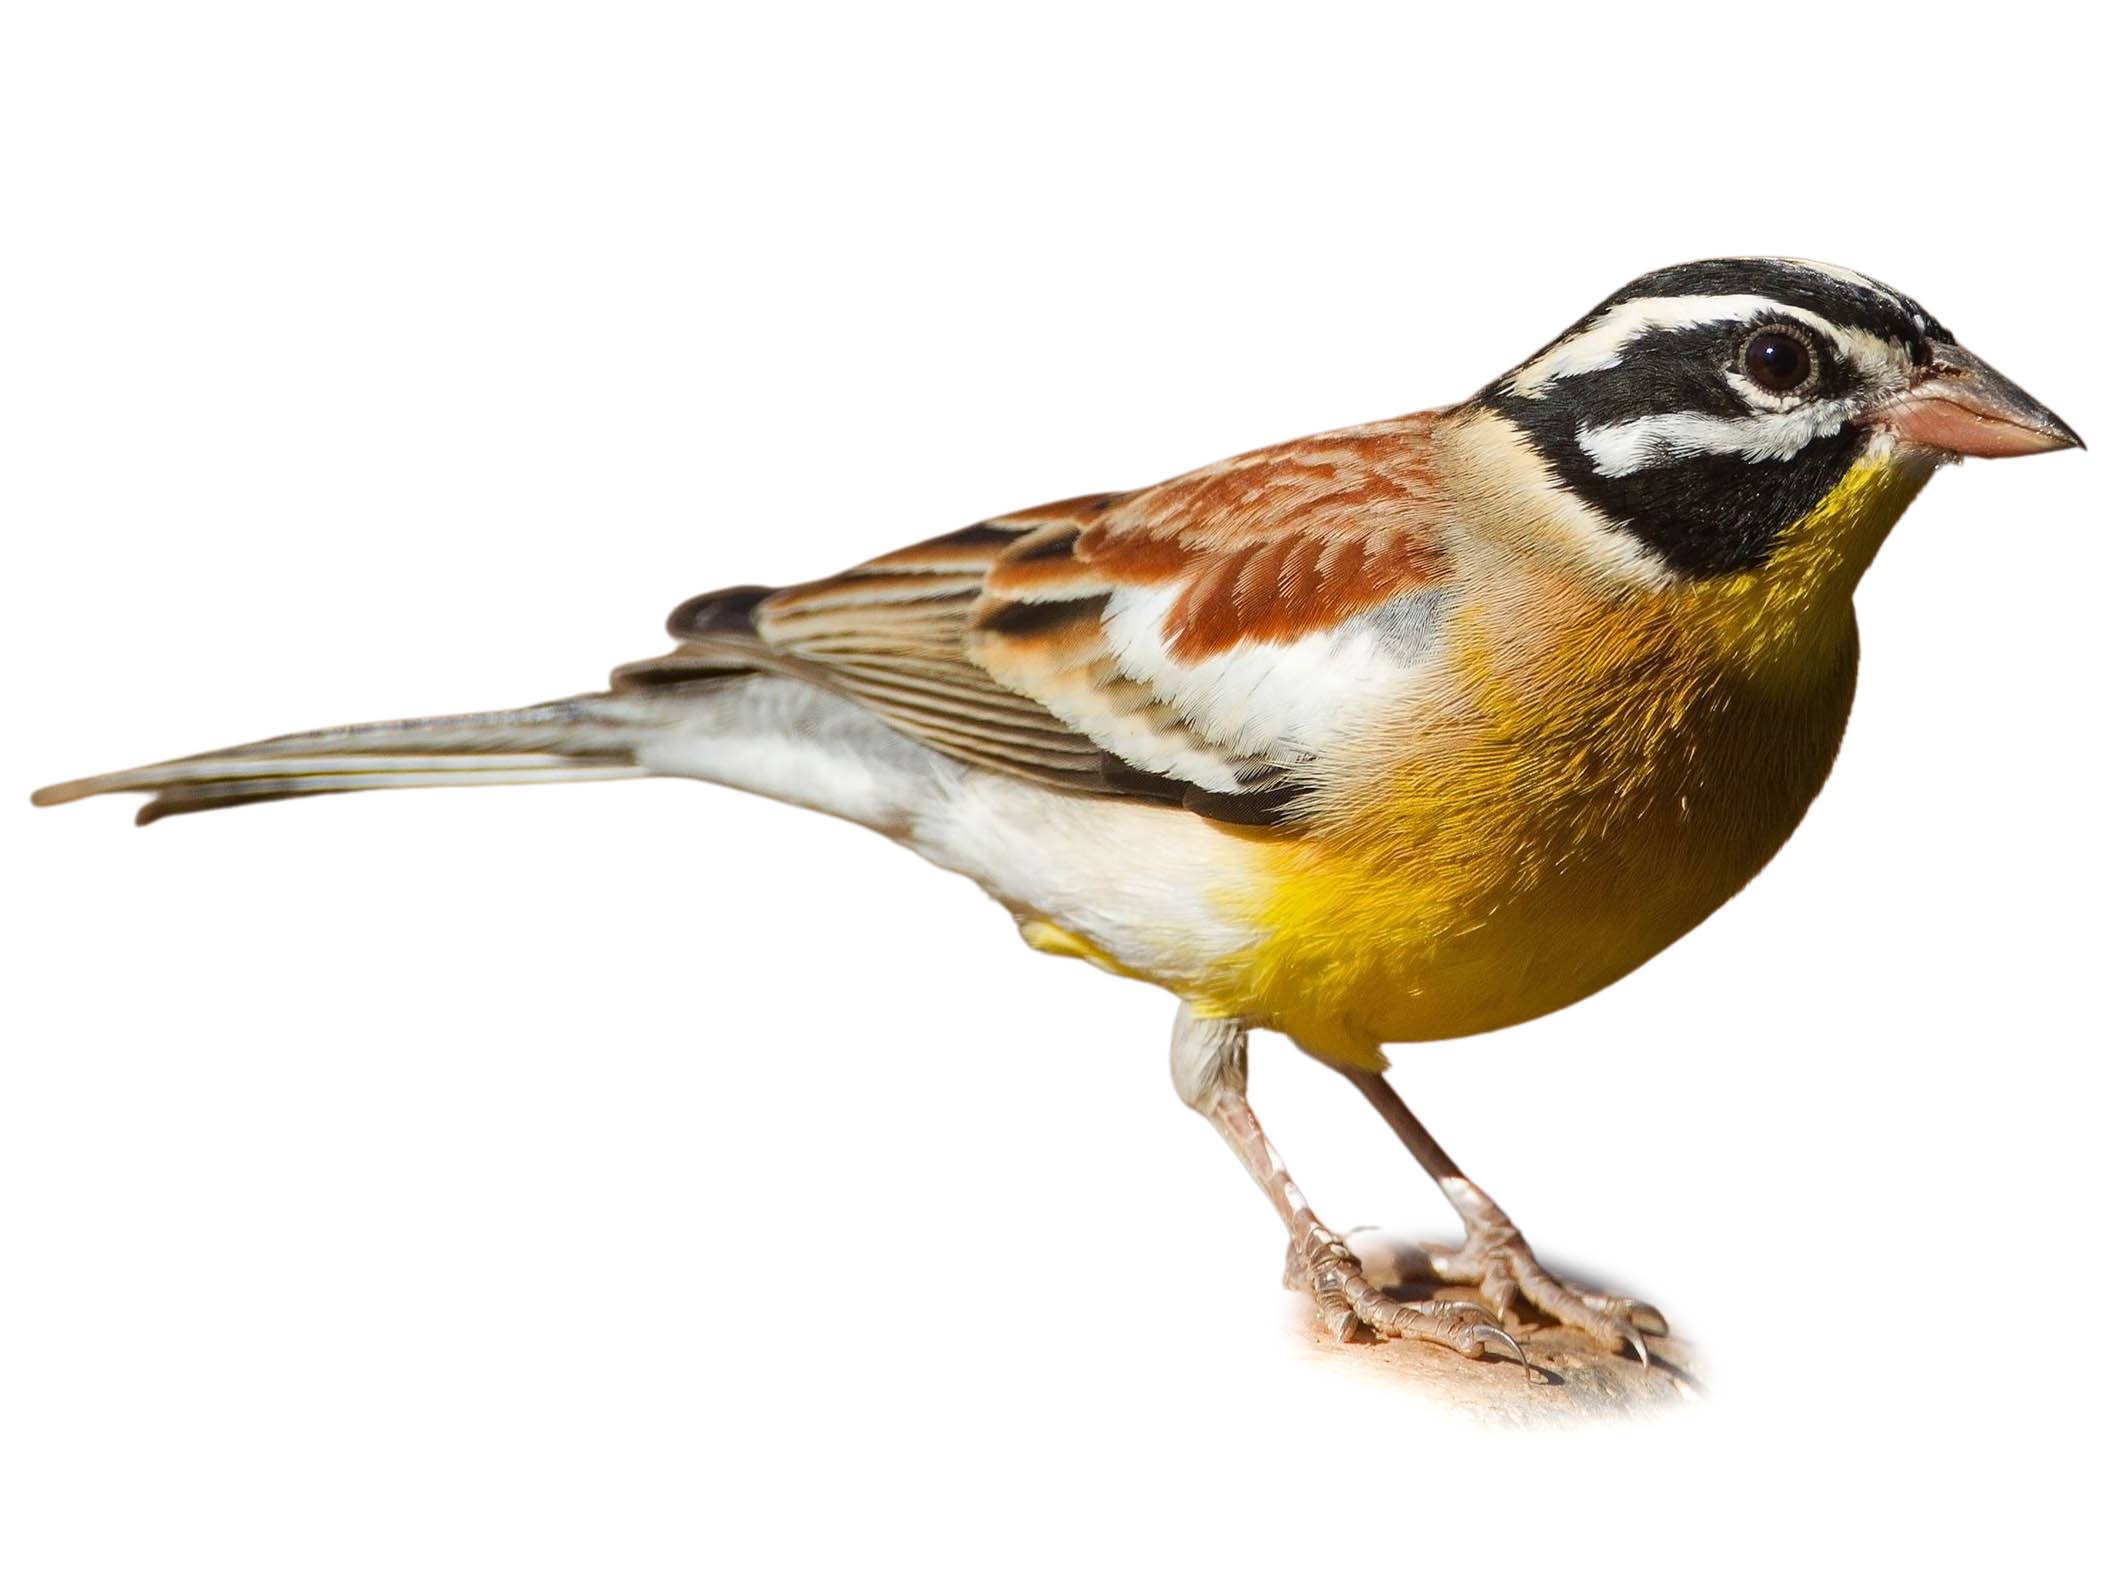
column 1399, row 732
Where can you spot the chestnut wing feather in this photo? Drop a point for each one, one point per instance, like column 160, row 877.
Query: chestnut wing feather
column 1116, row 644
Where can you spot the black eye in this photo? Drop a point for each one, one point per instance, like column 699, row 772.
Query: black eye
column 1777, row 360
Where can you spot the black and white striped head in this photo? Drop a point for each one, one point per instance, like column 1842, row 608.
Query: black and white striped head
column 1705, row 408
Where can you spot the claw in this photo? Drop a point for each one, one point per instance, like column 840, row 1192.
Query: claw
column 1648, row 1317
column 1633, row 1338
column 1484, row 1335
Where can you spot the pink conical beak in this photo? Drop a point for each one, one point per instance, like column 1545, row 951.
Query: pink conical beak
column 1962, row 405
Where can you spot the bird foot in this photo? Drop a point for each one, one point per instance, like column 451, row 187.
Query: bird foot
column 1352, row 1309
column 1496, row 1259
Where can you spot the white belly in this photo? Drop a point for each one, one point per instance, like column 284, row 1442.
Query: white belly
column 1151, row 888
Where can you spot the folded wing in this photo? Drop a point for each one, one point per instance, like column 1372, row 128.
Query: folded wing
column 1198, row 643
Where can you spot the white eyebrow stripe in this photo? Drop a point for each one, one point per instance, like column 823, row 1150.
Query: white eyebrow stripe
column 1838, row 273
column 1876, row 358
column 1600, row 345
column 1877, row 289
column 1631, row 445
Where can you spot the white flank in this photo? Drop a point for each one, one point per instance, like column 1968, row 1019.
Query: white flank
column 1137, row 881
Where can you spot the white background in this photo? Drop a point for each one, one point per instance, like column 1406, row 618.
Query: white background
column 643, row 1186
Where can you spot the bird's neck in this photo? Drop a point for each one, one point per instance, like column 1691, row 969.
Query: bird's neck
column 1785, row 622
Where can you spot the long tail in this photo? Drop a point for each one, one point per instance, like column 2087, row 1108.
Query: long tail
column 582, row 737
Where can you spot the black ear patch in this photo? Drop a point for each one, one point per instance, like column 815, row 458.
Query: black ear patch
column 1717, row 513
column 1702, row 514
column 1713, row 509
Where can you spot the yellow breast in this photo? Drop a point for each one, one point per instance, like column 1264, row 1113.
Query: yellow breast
column 1595, row 776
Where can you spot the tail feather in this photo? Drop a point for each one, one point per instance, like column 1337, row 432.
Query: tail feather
column 582, row 737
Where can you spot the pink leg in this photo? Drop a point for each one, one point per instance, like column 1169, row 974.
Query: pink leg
column 1208, row 1067
column 1495, row 1257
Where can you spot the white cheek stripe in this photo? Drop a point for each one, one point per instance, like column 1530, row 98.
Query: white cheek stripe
column 1632, row 445
column 1599, row 346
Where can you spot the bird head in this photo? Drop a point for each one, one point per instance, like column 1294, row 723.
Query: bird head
column 1707, row 411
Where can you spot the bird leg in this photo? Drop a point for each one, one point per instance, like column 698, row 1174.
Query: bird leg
column 1208, row 1068
column 1495, row 1257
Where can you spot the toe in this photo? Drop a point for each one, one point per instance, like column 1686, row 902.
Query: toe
column 1610, row 1320
column 1337, row 1314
